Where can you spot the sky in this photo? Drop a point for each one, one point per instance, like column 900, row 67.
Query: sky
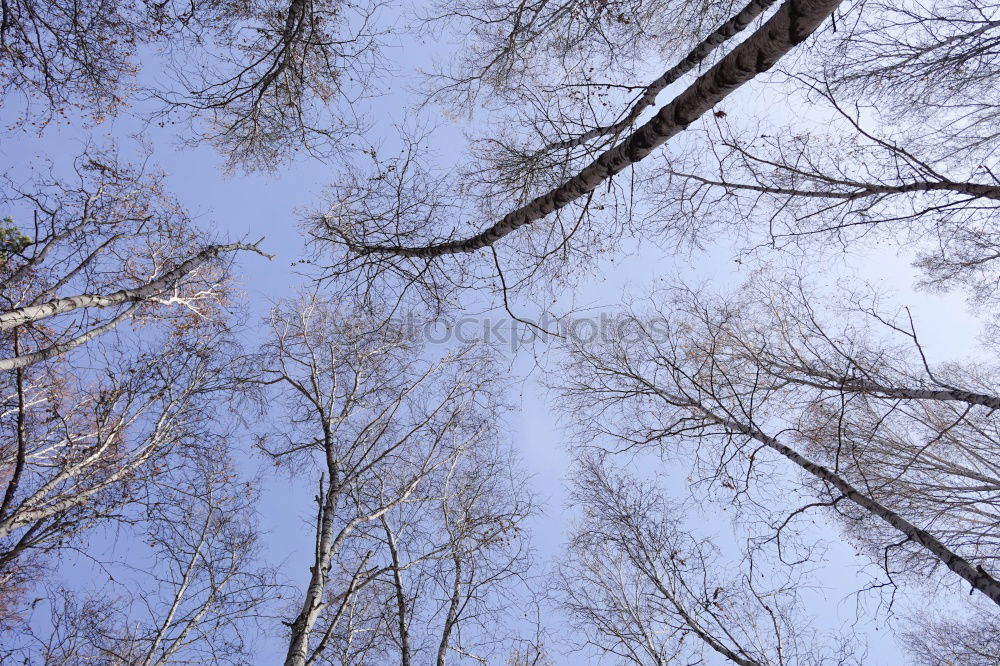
column 248, row 207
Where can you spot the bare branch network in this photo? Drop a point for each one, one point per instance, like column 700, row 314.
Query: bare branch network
column 730, row 451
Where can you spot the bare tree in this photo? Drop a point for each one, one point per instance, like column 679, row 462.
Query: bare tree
column 400, row 243
column 261, row 81
column 200, row 595
column 646, row 591
column 892, row 141
column 532, row 654
column 79, row 446
column 88, row 414
column 460, row 604
column 87, row 253
column 923, row 63
column 68, row 56
column 510, row 47
column 82, row 56
column 811, row 190
column 565, row 75
column 962, row 642
column 925, row 177
column 901, row 454
column 387, row 432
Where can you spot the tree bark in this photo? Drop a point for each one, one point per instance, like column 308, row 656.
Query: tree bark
column 452, row 617
column 397, row 581
column 21, row 316
column 861, row 190
column 20, row 361
column 720, row 35
column 975, row 576
column 794, row 21
column 312, row 606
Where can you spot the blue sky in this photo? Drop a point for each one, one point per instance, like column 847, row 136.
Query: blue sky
column 265, row 205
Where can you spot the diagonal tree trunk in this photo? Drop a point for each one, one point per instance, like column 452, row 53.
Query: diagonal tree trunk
column 855, row 190
column 794, row 21
column 20, row 316
column 719, row 36
column 975, row 576
column 20, row 361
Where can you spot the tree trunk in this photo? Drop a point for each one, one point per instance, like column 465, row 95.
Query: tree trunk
column 452, row 617
column 794, row 21
column 976, row 576
column 20, row 316
column 312, row 606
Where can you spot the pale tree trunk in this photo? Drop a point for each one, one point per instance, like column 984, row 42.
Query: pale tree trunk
column 327, row 545
column 24, row 360
column 360, row 578
column 31, row 313
column 452, row 617
column 37, row 507
column 312, row 606
column 397, row 581
column 22, row 441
